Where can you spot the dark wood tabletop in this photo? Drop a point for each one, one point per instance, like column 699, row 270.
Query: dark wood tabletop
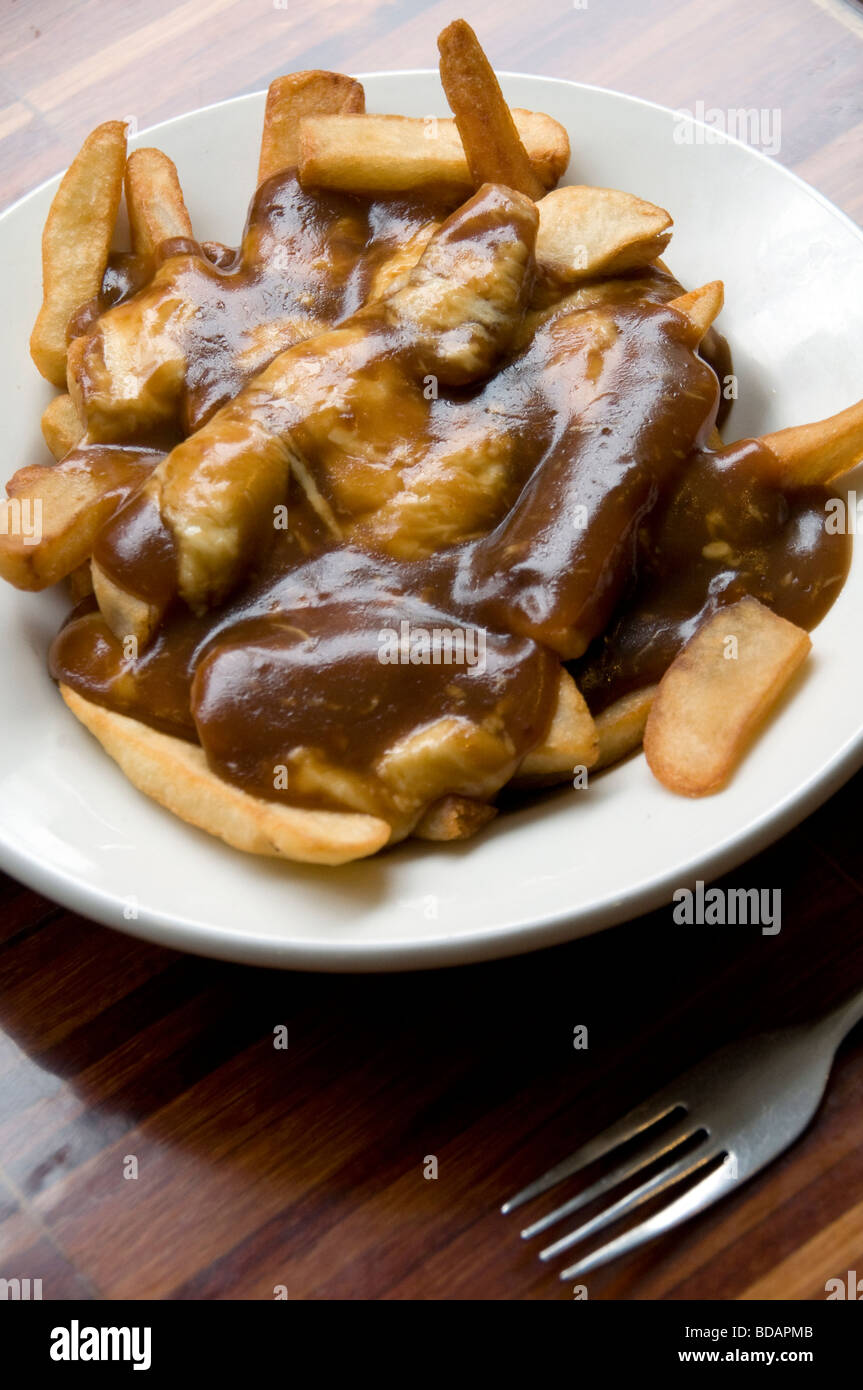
column 306, row 1167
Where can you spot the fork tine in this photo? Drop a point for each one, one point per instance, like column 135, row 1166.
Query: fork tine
column 641, row 1118
column 653, row 1187
column 696, row 1199
column 668, row 1140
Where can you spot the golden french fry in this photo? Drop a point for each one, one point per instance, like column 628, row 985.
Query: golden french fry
column 123, row 612
column 811, row 454
column 495, row 153
column 76, row 242
column 63, row 507
column 586, row 231
column 61, row 425
column 175, row 774
column 716, row 693
column 54, row 513
column 620, row 727
column 546, row 142
column 291, row 98
column 154, row 199
column 395, row 154
column 454, row 818
column 700, row 307
column 449, row 756
column 571, row 741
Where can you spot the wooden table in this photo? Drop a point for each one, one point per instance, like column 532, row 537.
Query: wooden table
column 304, row 1167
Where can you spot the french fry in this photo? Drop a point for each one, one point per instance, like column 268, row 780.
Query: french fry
column 700, row 307
column 495, row 153
column 810, row 454
column 716, row 694
column 402, row 154
column 620, row 727
column 61, row 425
column 584, row 232
column 454, row 818
column 70, row 510
column 125, row 614
column 70, row 507
column 76, row 242
column 53, row 515
column 571, row 741
column 546, row 142
column 291, row 98
column 175, row 774
column 154, row 200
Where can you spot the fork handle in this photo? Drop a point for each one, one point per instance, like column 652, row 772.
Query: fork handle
column 840, row 1020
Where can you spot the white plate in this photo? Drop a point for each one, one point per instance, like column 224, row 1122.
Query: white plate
column 73, row 828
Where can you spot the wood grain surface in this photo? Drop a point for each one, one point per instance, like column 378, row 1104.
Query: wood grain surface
column 304, row 1167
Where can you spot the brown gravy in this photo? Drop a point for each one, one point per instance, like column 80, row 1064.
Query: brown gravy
column 725, row 532
column 306, row 261
column 297, row 657
column 611, row 505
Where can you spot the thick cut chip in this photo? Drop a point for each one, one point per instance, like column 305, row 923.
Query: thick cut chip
column 401, row 154
column 289, row 100
column 570, row 742
column 175, row 774
column 495, row 153
column 700, row 307
column 155, row 203
column 717, row 692
column 586, row 231
column 54, row 512
column 454, row 818
column 620, row 727
column 76, row 242
column 61, row 425
column 807, row 455
column 49, row 522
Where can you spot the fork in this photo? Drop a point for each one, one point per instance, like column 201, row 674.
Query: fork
column 735, row 1111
